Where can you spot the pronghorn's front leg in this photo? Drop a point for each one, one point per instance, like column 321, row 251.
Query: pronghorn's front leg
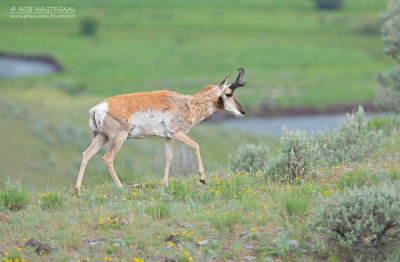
column 182, row 137
column 169, row 147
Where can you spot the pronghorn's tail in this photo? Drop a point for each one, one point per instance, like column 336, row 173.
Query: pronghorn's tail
column 96, row 116
column 92, row 122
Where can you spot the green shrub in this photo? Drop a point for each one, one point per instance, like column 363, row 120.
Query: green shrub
column 328, row 4
column 297, row 154
column 51, row 201
column 360, row 222
column 250, row 157
column 388, row 95
column 14, row 198
column 352, row 141
column 89, row 26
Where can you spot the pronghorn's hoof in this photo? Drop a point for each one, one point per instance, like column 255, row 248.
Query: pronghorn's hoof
column 203, row 181
column 77, row 192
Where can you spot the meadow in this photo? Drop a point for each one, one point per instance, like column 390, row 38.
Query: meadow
column 237, row 216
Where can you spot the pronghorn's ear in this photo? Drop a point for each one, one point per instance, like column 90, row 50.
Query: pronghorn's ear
column 223, row 82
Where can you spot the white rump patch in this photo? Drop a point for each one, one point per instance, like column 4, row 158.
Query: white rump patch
column 100, row 112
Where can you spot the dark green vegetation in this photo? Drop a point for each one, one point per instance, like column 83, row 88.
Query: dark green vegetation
column 389, row 92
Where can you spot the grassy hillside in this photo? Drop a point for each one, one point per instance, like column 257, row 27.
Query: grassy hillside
column 293, row 53
column 235, row 217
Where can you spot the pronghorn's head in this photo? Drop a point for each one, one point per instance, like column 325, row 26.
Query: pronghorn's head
column 227, row 101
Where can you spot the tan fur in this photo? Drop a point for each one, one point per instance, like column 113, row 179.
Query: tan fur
column 122, row 107
column 199, row 104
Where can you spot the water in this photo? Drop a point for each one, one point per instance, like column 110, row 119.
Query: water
column 15, row 67
column 273, row 126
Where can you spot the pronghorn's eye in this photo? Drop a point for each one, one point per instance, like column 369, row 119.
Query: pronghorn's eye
column 228, row 95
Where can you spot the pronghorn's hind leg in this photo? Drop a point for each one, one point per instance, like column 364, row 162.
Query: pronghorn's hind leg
column 117, row 133
column 169, row 147
column 113, row 148
column 182, row 137
column 98, row 141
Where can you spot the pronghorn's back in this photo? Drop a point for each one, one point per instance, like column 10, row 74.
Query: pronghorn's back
column 122, row 107
column 145, row 114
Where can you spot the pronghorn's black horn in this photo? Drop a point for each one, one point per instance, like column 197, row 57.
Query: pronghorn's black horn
column 238, row 81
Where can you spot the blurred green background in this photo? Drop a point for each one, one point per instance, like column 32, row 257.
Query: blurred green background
column 293, row 53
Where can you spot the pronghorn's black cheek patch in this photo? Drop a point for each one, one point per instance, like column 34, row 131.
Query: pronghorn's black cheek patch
column 221, row 102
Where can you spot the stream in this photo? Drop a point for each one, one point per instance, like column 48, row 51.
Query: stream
column 16, row 67
column 273, row 126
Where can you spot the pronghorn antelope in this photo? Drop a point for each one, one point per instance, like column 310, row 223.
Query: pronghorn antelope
column 158, row 113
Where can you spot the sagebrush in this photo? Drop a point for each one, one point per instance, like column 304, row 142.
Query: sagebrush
column 360, row 222
column 297, row 154
column 351, row 141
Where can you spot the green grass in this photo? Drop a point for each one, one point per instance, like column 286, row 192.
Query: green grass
column 234, row 216
column 293, row 53
column 51, row 201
